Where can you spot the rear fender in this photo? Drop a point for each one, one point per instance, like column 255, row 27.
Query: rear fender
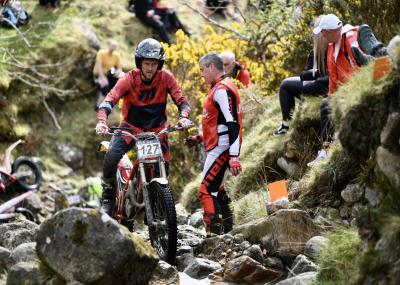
column 160, row 180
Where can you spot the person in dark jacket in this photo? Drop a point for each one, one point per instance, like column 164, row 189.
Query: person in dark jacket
column 162, row 18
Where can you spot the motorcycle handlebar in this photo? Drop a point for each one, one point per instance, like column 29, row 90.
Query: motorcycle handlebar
column 123, row 131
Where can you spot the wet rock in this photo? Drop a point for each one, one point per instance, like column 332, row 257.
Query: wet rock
column 302, row 264
column 294, row 227
column 388, row 164
column 182, row 216
column 5, row 259
column 71, row 154
column 184, row 249
column 200, row 268
column 315, row 246
column 164, row 273
column 196, row 219
column 255, row 253
column 352, row 193
column 238, row 239
column 246, row 269
column 105, row 250
column 184, row 260
column 188, row 235
column 33, row 203
column 25, row 252
column 14, row 234
column 245, row 245
column 374, row 196
column 306, row 278
column 274, row 262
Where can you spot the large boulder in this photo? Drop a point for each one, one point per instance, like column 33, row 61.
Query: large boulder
column 107, row 253
column 19, row 232
column 283, row 233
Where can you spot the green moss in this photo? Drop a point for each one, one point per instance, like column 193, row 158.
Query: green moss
column 79, row 231
column 250, row 207
column 338, row 260
column 371, row 264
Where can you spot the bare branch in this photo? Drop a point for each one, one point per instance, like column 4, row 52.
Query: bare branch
column 19, row 32
column 215, row 23
column 53, row 116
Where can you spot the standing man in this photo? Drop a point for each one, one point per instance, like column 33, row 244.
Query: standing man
column 145, row 91
column 234, row 68
column 107, row 70
column 222, row 136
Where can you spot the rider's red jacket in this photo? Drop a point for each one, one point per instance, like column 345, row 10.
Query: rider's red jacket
column 144, row 104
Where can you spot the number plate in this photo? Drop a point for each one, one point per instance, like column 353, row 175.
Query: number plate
column 148, row 150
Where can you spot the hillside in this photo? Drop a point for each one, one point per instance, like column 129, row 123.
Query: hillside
column 349, row 203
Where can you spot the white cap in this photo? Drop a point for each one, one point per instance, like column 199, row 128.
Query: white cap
column 328, row 22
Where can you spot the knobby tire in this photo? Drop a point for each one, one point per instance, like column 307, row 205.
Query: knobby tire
column 162, row 203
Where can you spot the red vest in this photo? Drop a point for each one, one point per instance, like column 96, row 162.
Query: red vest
column 341, row 70
column 210, row 113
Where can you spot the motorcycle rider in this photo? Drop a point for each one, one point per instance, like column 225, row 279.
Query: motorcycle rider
column 144, row 91
column 222, row 136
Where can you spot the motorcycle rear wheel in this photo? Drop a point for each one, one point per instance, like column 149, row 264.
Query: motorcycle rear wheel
column 27, row 172
column 163, row 238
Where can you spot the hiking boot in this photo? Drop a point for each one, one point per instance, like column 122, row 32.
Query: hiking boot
column 322, row 154
column 281, row 130
column 108, row 198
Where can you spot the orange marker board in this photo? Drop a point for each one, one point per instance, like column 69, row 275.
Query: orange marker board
column 277, row 190
column 382, row 67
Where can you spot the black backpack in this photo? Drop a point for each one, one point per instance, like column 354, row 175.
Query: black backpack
column 368, row 42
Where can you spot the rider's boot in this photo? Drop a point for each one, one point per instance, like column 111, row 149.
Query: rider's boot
column 108, row 197
column 213, row 225
column 226, row 208
column 227, row 216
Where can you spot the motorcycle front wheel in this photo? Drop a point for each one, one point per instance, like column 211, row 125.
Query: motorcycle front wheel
column 163, row 229
column 27, row 173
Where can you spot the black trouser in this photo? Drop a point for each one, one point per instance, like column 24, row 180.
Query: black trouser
column 157, row 25
column 293, row 87
column 327, row 128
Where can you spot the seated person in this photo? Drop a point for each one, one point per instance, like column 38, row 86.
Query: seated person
column 314, row 81
column 107, row 70
column 159, row 16
column 15, row 14
column 224, row 7
column 235, row 69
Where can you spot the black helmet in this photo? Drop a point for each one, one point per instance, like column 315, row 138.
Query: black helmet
column 149, row 49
